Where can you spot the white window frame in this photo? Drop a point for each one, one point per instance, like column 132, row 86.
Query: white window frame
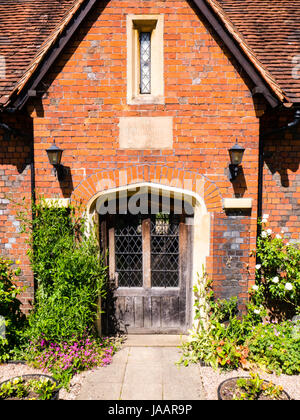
column 135, row 25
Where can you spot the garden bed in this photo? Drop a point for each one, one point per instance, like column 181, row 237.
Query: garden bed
column 29, row 387
column 10, row 370
column 231, row 389
column 209, row 377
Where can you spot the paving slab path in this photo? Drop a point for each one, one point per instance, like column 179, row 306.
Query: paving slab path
column 145, row 369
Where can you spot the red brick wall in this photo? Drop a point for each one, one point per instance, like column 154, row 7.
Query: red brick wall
column 15, row 189
column 281, row 181
column 209, row 101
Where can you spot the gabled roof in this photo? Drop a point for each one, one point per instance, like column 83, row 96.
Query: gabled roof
column 24, row 26
column 271, row 28
column 34, row 32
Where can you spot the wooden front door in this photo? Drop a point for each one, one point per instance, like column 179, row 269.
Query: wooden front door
column 149, row 259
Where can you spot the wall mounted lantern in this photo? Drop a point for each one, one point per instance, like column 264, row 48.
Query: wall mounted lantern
column 54, row 155
column 236, row 156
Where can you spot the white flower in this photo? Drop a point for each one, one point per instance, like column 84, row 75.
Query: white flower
column 264, row 234
column 288, row 286
column 264, row 220
column 258, row 266
column 255, row 287
column 278, row 236
column 265, row 216
column 256, row 311
column 275, row 279
column 269, row 231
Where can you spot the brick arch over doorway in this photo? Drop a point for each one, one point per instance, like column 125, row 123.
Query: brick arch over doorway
column 156, row 174
column 150, row 307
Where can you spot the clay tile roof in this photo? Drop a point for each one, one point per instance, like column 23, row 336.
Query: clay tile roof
column 268, row 32
column 271, row 28
column 24, row 26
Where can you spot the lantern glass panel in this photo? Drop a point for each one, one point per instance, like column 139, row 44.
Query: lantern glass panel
column 54, row 156
column 236, row 156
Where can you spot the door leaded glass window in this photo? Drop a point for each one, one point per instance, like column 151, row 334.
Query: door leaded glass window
column 128, row 251
column 165, row 250
column 145, row 62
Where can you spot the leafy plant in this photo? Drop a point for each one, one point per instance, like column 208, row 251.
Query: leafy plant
column 214, row 342
column 199, row 346
column 43, row 388
column 252, row 388
column 15, row 388
column 277, row 275
column 239, row 342
column 19, row 388
column 65, row 359
column 276, row 347
column 224, row 310
column 11, row 318
column 70, row 274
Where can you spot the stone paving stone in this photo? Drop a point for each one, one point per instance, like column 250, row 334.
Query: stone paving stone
column 121, row 356
column 154, row 340
column 113, row 373
column 142, row 391
column 103, row 391
column 175, row 391
column 180, row 374
column 144, row 373
column 145, row 354
column 171, row 354
column 141, row 373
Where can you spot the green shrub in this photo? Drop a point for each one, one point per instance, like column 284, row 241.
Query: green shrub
column 70, row 278
column 241, row 342
column 12, row 320
column 276, row 347
column 33, row 389
column 277, row 275
column 69, row 273
column 254, row 387
column 64, row 359
column 213, row 341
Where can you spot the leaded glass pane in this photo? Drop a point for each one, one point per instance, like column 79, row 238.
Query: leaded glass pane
column 145, row 62
column 129, row 251
column 164, row 250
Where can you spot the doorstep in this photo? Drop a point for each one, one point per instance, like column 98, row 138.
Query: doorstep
column 154, row 340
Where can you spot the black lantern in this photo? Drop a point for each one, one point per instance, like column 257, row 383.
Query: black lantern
column 236, row 156
column 54, row 155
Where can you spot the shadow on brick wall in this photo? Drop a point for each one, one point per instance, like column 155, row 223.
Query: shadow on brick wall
column 65, row 181
column 282, row 150
column 239, row 184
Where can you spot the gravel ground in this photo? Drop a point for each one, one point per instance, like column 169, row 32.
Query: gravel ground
column 210, row 379
column 10, row 370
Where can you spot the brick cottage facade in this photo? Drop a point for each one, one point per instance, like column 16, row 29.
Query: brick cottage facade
column 72, row 72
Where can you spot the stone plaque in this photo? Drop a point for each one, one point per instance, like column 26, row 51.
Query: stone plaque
column 146, row 133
